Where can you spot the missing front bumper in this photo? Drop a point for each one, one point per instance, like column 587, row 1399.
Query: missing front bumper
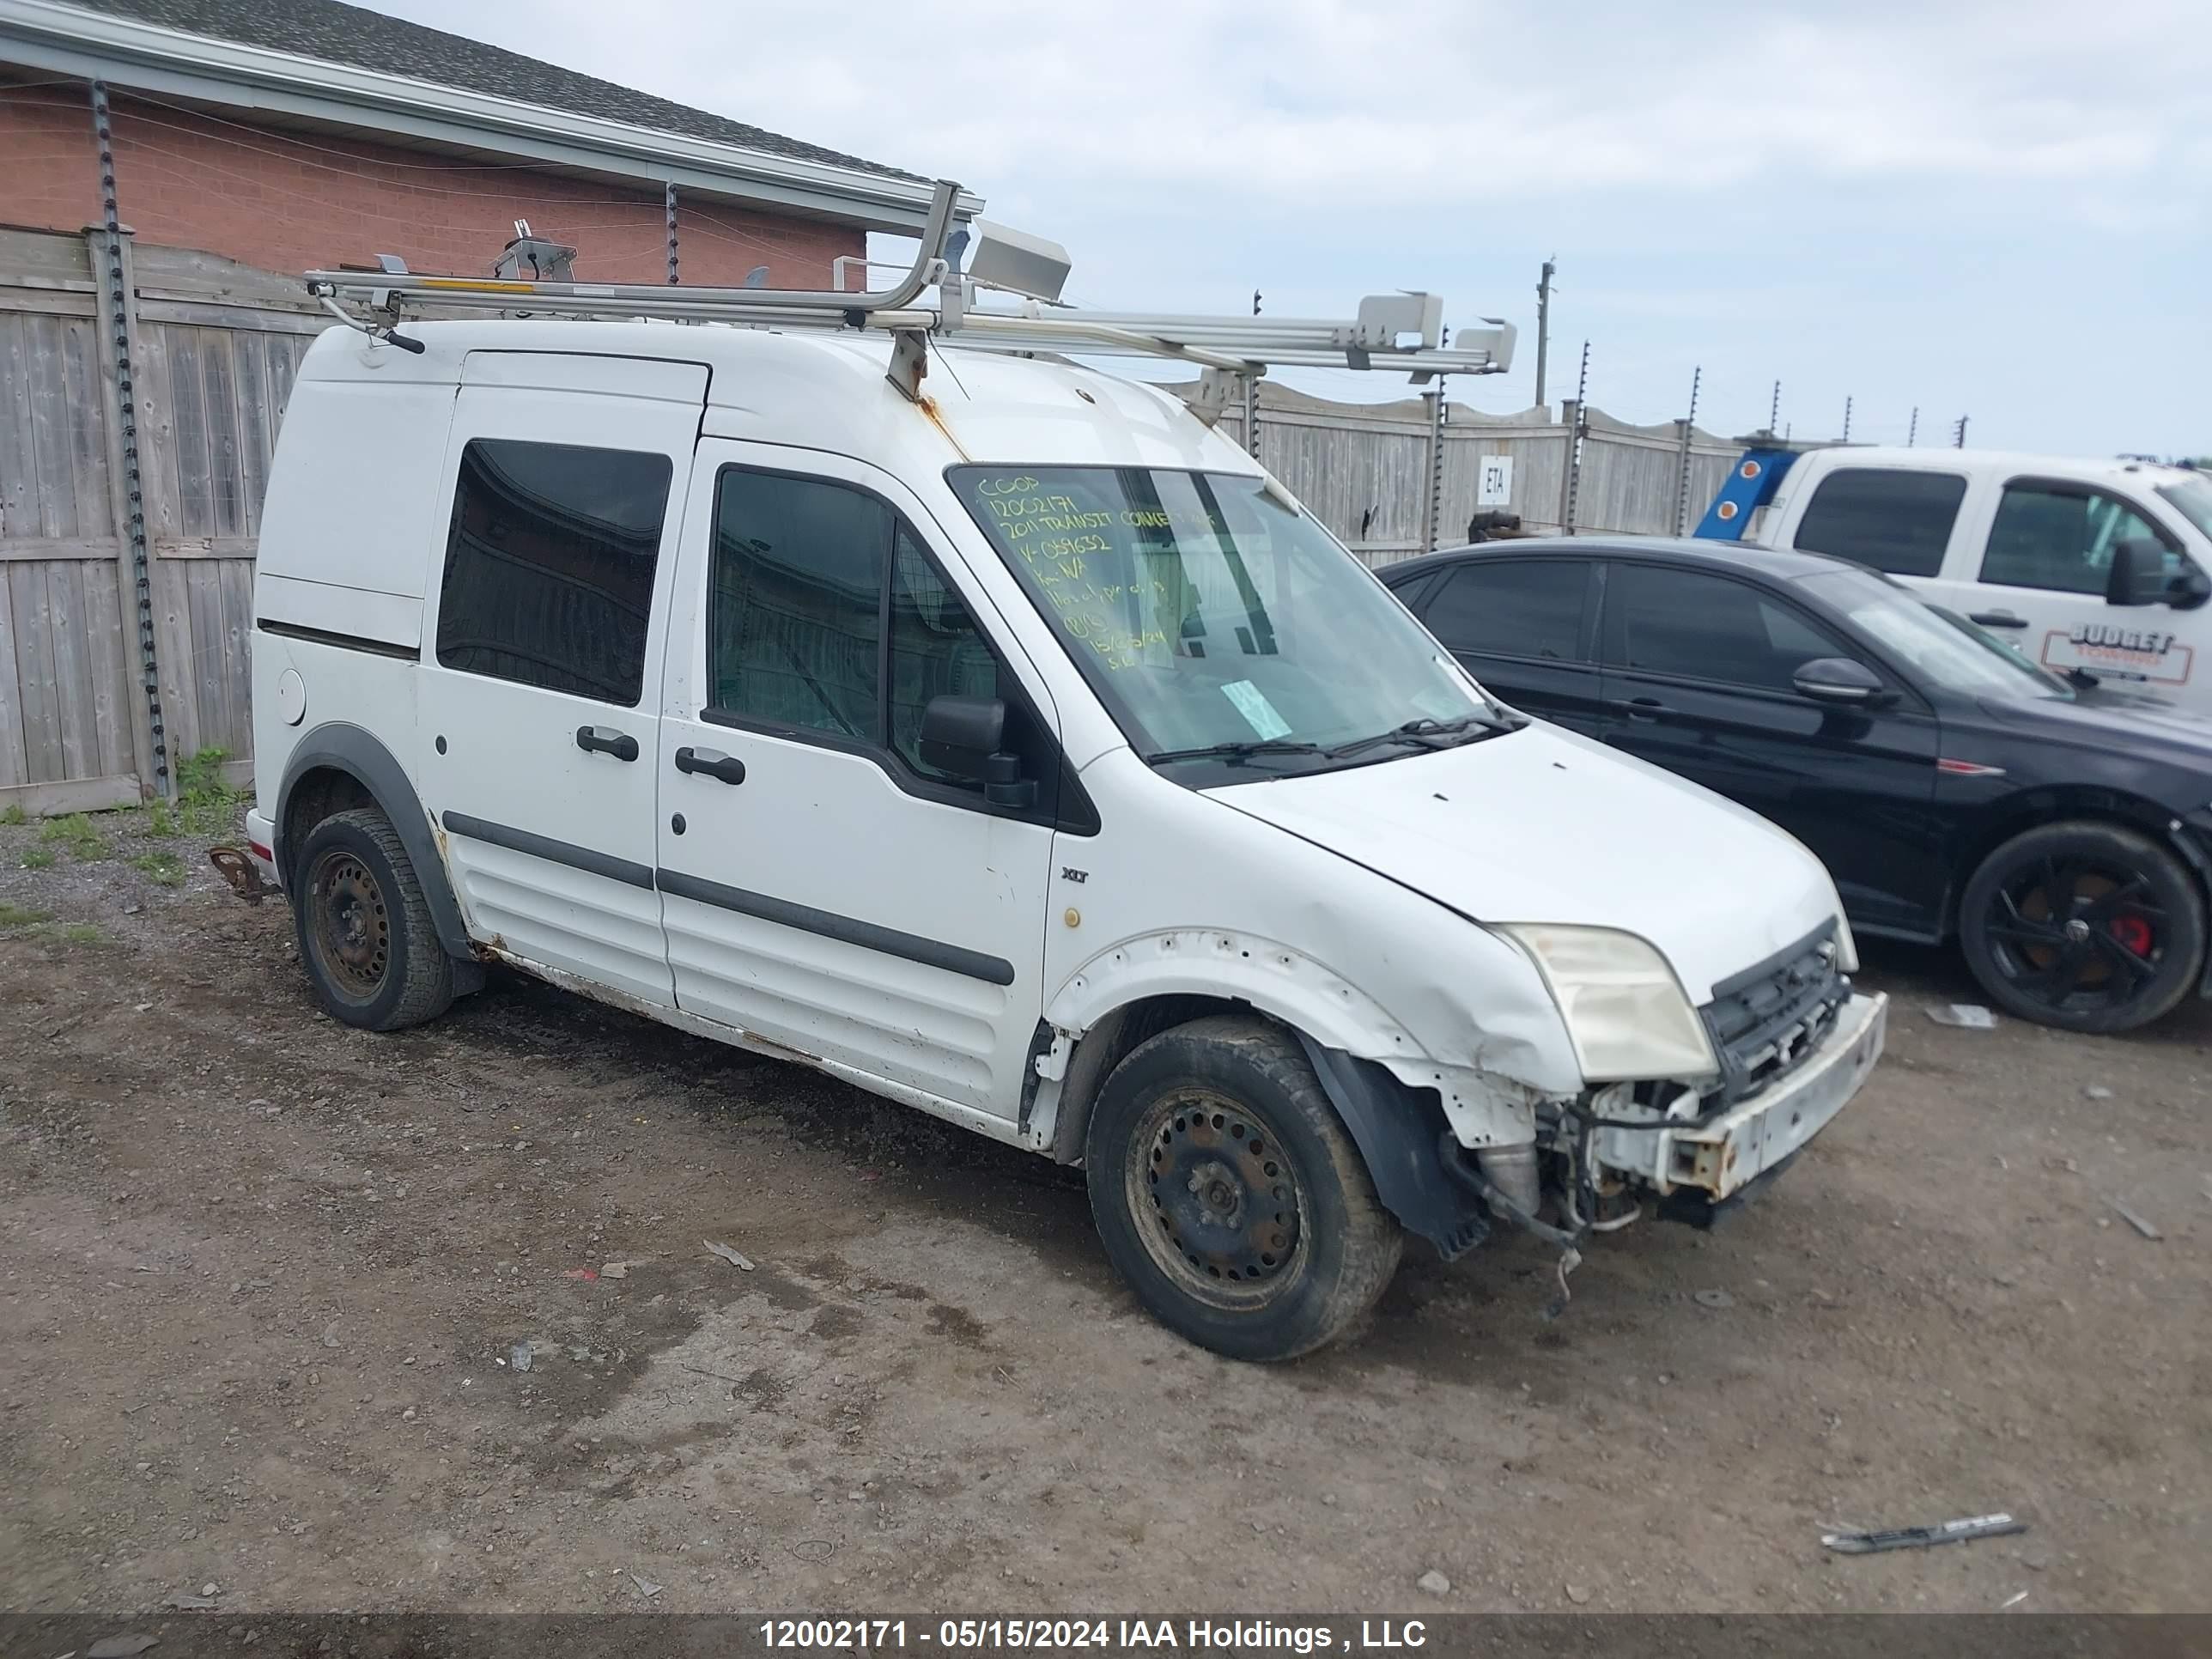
column 1721, row 1158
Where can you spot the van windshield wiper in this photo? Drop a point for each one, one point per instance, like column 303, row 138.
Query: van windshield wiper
column 1235, row 751
column 1426, row 733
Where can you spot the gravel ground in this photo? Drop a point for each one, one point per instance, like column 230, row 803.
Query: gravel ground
column 263, row 1281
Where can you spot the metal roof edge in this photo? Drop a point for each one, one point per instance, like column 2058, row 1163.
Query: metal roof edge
column 53, row 36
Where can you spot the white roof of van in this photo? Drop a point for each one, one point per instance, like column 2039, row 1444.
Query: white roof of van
column 827, row 391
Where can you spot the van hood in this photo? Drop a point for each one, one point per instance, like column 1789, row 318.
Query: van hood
column 1541, row 825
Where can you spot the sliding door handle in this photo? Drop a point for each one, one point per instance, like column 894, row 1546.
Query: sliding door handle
column 605, row 741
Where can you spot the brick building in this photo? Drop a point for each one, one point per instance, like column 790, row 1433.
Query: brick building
column 294, row 134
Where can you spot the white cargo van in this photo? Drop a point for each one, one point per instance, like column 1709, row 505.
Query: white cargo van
column 1009, row 743
column 2091, row 567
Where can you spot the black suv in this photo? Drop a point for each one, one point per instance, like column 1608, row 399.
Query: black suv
column 2062, row 832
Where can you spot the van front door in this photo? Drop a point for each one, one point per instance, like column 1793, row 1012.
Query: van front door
column 2041, row 585
column 536, row 735
column 824, row 887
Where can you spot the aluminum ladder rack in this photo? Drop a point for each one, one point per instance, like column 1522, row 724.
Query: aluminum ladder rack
column 1400, row 332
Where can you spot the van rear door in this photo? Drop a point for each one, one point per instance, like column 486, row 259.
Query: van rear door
column 537, row 734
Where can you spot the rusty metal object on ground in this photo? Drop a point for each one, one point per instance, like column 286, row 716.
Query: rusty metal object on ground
column 239, row 869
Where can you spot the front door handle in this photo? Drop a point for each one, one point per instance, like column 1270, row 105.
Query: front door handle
column 728, row 768
column 1642, row 708
column 1996, row 619
column 605, row 741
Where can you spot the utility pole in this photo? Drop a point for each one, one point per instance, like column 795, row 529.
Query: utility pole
column 1847, row 420
column 1912, row 432
column 1543, row 325
column 1774, row 410
column 1959, row 434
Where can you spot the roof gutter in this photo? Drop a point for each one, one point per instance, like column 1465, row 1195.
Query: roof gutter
column 128, row 53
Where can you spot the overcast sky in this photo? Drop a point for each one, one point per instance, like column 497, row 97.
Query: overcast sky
column 1998, row 210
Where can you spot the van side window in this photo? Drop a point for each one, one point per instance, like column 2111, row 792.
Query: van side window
column 549, row 566
column 2061, row 536
column 937, row 651
column 826, row 615
column 1892, row 518
column 795, row 617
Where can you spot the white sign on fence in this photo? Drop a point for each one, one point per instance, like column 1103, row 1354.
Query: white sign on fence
column 1493, row 483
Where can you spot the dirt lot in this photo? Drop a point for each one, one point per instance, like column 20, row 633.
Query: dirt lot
column 260, row 1278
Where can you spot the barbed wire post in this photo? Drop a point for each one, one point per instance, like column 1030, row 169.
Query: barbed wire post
column 1686, row 425
column 117, row 300
column 1577, row 427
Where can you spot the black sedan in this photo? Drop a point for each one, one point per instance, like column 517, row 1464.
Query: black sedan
column 2062, row 833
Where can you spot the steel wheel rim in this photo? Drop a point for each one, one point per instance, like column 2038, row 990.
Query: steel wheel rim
column 349, row 926
column 1216, row 1199
column 2077, row 934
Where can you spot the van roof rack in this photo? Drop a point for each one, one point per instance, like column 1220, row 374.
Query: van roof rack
column 1402, row 332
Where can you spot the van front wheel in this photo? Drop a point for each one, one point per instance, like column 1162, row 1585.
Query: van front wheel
column 366, row 936
column 1229, row 1195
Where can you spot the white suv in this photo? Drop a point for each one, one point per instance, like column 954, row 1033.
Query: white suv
column 1023, row 753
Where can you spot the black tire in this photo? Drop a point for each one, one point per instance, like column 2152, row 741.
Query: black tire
column 365, row 936
column 2084, row 926
column 1192, row 1132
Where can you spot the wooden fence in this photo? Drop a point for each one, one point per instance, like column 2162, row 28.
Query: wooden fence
column 214, row 348
column 1365, row 469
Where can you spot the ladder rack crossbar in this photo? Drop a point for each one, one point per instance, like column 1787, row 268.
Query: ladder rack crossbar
column 1400, row 333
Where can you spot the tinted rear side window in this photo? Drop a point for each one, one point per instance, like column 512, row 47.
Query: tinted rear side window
column 549, row 566
column 1894, row 520
column 1696, row 626
column 1517, row 608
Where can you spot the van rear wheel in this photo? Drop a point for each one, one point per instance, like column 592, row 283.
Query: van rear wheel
column 366, row 936
column 1228, row 1194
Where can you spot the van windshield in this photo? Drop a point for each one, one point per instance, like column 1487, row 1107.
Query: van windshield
column 1218, row 623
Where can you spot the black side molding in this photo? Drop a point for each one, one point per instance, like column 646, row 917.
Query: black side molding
column 340, row 747
column 344, row 641
column 544, row 847
column 933, row 953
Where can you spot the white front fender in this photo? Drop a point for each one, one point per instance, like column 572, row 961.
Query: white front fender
column 1483, row 1108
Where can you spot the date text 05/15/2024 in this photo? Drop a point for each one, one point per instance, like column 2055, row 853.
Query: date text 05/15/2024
column 1098, row 1635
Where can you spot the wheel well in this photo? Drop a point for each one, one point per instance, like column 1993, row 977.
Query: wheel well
column 2038, row 807
column 318, row 795
column 1106, row 1044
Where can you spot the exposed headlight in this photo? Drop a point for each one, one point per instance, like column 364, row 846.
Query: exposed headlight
column 1625, row 1013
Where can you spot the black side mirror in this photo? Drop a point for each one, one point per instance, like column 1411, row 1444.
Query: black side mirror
column 1840, row 679
column 2138, row 573
column 965, row 737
